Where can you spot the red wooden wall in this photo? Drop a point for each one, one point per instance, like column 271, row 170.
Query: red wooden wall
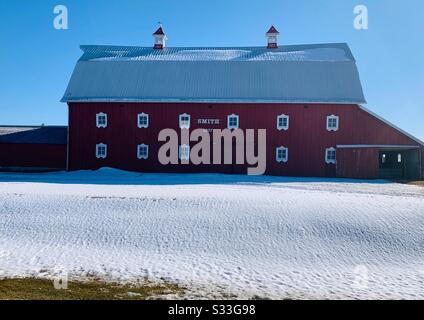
column 307, row 137
column 33, row 155
column 358, row 163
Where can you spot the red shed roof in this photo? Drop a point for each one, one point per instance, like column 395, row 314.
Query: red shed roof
column 272, row 30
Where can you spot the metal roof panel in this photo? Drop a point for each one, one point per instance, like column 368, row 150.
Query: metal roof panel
column 305, row 73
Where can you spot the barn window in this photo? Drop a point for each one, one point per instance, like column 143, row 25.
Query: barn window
column 282, row 154
column 233, row 121
column 101, row 120
column 283, row 122
column 143, row 120
column 332, row 123
column 143, row 151
column 330, row 155
column 101, row 151
column 185, row 121
column 184, row 152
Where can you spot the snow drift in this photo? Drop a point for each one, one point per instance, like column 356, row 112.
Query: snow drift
column 247, row 236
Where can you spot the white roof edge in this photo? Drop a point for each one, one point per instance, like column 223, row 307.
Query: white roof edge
column 421, row 143
column 246, row 101
column 359, row 146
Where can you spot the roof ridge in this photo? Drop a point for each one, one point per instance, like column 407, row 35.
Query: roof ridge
column 82, row 47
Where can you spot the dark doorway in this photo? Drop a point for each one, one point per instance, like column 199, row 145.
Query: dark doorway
column 399, row 164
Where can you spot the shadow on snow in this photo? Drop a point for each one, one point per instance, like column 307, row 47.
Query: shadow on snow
column 108, row 176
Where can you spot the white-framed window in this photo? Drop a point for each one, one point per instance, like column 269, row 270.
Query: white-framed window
column 282, row 154
column 332, row 123
column 283, row 122
column 383, row 158
column 101, row 151
column 101, row 120
column 185, row 121
column 143, row 151
column 184, row 152
column 233, row 121
column 272, row 39
column 330, row 155
column 143, row 120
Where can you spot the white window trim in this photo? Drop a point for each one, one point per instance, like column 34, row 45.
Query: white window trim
column 228, row 121
column 138, row 120
column 185, row 126
column 284, row 160
column 139, row 156
column 98, row 155
column 327, row 160
column 180, row 153
column 98, row 124
column 283, row 116
column 337, row 120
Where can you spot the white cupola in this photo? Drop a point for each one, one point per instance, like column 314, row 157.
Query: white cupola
column 160, row 38
column 272, row 36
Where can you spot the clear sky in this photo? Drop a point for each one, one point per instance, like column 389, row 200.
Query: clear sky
column 37, row 60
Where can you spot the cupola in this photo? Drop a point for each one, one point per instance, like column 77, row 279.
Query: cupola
column 272, row 36
column 160, row 38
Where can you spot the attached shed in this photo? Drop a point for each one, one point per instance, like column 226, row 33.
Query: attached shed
column 29, row 148
column 379, row 161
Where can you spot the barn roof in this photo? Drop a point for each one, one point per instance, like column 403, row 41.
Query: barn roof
column 322, row 73
column 34, row 135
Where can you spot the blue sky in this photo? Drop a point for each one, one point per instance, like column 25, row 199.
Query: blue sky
column 37, row 60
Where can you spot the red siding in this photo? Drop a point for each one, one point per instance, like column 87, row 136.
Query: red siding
column 359, row 163
column 307, row 137
column 33, row 155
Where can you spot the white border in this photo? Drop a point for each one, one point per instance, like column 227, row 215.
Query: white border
column 101, row 114
column 139, row 156
column 98, row 156
column 328, row 161
column 228, row 121
column 185, row 126
column 333, row 116
column 282, row 116
column 145, row 126
column 284, row 160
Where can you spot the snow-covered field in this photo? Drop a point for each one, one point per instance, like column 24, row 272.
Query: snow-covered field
column 265, row 237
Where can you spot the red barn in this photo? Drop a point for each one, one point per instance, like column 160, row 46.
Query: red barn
column 308, row 98
column 28, row 148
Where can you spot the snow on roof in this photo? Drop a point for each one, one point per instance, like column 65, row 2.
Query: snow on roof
column 324, row 52
column 323, row 73
column 159, row 31
column 33, row 134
